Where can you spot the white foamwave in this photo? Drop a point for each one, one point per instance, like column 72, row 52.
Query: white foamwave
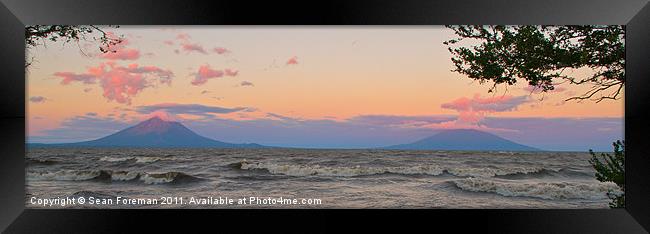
column 544, row 190
column 158, row 178
column 299, row 170
column 147, row 159
column 115, row 159
column 146, row 177
column 491, row 172
column 124, row 175
column 64, row 175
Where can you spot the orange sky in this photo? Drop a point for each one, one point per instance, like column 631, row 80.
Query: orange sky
column 340, row 73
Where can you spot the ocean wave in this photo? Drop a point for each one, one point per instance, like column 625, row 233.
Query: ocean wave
column 136, row 159
column 546, row 173
column 107, row 175
column 300, row 170
column 544, row 190
column 115, row 159
column 68, row 175
column 41, row 161
column 492, row 172
column 124, row 175
column 305, row 170
column 167, row 177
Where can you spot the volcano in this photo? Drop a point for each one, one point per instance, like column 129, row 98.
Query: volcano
column 156, row 132
column 464, row 139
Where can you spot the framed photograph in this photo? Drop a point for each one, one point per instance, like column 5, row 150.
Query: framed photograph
column 519, row 116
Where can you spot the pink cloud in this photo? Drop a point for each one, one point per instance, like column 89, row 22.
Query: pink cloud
column 490, row 104
column 472, row 110
column 205, row 73
column 69, row 77
column 292, row 61
column 183, row 36
column 120, row 83
column 189, row 47
column 220, row 50
column 230, row 72
column 122, row 54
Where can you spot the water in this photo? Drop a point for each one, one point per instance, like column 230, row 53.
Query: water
column 339, row 178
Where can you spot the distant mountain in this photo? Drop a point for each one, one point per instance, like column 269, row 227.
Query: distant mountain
column 464, row 139
column 154, row 132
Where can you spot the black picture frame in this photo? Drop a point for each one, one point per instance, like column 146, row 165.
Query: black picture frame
column 15, row 14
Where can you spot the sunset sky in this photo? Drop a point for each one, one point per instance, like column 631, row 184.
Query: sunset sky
column 320, row 87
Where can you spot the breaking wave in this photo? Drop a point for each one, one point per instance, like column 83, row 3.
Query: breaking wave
column 492, row 172
column 546, row 173
column 107, row 175
column 305, row 170
column 167, row 177
column 544, row 190
column 299, row 170
column 69, row 175
column 136, row 159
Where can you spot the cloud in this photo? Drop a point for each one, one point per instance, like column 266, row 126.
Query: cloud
column 69, row 77
column 189, row 47
column 399, row 121
column 246, row 83
column 473, row 110
column 220, row 50
column 491, row 104
column 189, row 109
column 231, row 72
column 164, row 115
column 193, row 47
column 38, row 99
column 122, row 54
column 292, row 61
column 205, row 73
column 183, row 36
column 119, row 83
column 281, row 117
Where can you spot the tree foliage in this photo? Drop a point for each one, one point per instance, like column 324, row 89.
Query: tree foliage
column 543, row 56
column 611, row 168
column 40, row 35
